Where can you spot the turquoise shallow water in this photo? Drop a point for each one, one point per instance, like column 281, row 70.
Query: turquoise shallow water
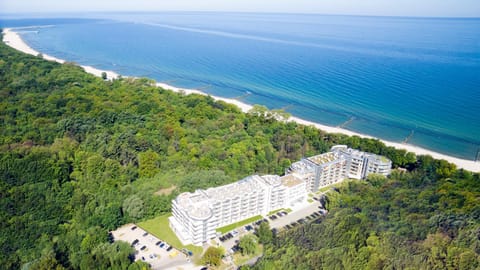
column 392, row 76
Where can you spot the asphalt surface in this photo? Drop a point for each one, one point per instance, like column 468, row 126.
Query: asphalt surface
column 146, row 250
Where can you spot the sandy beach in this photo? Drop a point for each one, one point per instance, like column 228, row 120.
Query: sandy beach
column 14, row 40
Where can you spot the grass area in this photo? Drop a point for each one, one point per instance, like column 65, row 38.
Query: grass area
column 240, row 259
column 230, row 227
column 324, row 189
column 160, row 228
column 336, row 185
column 288, row 210
column 310, row 200
column 166, row 191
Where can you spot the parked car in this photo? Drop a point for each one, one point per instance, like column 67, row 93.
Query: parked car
column 133, row 228
column 143, row 248
column 145, row 234
column 158, row 243
column 162, row 245
column 134, row 242
column 169, row 248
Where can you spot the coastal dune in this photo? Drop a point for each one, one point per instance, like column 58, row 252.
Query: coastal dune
column 13, row 39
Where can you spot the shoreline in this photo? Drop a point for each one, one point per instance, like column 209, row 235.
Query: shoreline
column 13, row 39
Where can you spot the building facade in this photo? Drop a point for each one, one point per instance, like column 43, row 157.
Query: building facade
column 338, row 164
column 197, row 215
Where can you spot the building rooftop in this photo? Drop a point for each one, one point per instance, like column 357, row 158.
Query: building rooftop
column 291, row 180
column 302, row 167
column 272, row 180
column 247, row 185
column 379, row 159
column 324, row 158
column 195, row 204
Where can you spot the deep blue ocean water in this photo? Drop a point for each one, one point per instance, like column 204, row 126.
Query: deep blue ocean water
column 384, row 76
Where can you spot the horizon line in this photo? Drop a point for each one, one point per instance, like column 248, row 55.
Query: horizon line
column 37, row 13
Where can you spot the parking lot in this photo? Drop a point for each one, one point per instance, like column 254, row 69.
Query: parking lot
column 153, row 250
column 304, row 214
column 278, row 221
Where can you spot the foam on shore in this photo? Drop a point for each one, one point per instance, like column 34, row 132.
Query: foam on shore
column 14, row 40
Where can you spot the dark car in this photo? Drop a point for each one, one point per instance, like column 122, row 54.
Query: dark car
column 145, row 234
column 158, row 243
column 134, row 227
column 143, row 248
column 169, row 248
column 162, row 245
column 134, row 242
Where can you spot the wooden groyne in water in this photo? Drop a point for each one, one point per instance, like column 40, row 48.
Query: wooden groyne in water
column 347, row 122
column 409, row 136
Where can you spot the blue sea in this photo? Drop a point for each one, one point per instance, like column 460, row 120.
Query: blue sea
column 395, row 78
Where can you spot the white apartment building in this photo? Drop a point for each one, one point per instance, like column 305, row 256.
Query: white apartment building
column 361, row 164
column 197, row 215
column 340, row 163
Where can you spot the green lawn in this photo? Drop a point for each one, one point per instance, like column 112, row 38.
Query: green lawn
column 230, row 227
column 288, row 210
column 160, row 228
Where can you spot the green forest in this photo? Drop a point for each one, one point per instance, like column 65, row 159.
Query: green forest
column 80, row 156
